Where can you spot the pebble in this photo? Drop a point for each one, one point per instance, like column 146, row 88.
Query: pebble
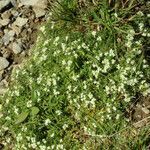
column 17, row 48
column 20, row 21
column 39, row 12
column 3, row 63
column 4, row 22
column 9, row 36
column 145, row 110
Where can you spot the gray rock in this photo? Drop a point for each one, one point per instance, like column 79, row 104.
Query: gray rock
column 20, row 21
column 17, row 48
column 29, row 2
column 9, row 36
column 11, row 33
column 4, row 22
column 3, row 63
column 6, row 15
column 14, row 3
column 38, row 6
column 16, row 29
column 3, row 4
column 145, row 110
column 1, row 74
column 6, row 39
column 39, row 12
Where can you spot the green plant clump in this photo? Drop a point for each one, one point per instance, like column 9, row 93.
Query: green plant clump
column 73, row 91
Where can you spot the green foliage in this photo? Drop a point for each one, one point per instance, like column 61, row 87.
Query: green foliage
column 22, row 117
column 73, row 91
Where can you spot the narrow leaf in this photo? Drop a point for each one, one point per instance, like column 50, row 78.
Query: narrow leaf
column 22, row 117
column 34, row 111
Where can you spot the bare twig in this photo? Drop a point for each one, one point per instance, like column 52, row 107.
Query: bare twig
column 143, row 120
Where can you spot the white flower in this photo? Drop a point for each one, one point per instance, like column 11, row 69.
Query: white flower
column 42, row 28
column 42, row 147
column 99, row 38
column 115, row 14
column 16, row 110
column 108, row 110
column 65, row 126
column 52, row 135
column 69, row 62
column 67, row 38
column 111, row 53
column 114, row 108
column 58, row 112
column 94, row 33
column 54, row 82
column 140, row 13
column 53, row 146
column 63, row 46
column 141, row 25
column 47, row 121
column 117, row 116
column 29, row 104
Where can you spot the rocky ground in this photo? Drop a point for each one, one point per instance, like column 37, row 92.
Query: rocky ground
column 19, row 21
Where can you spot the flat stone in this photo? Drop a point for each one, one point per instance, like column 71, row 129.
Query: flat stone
column 9, row 36
column 4, row 22
column 11, row 33
column 17, row 48
column 38, row 6
column 1, row 74
column 6, row 39
column 29, row 2
column 39, row 12
column 20, row 21
column 3, row 63
column 6, row 53
column 145, row 110
column 16, row 29
column 6, row 15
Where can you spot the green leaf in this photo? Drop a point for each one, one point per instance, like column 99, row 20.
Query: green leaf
column 34, row 111
column 22, row 117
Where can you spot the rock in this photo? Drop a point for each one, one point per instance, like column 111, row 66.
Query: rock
column 4, row 22
column 11, row 33
column 6, row 15
column 4, row 4
column 6, row 39
column 20, row 21
column 3, row 63
column 14, row 3
column 1, row 33
column 1, row 74
column 16, row 29
column 6, row 53
column 15, row 13
column 17, row 48
column 145, row 110
column 39, row 12
column 29, row 2
column 9, row 36
column 39, row 6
